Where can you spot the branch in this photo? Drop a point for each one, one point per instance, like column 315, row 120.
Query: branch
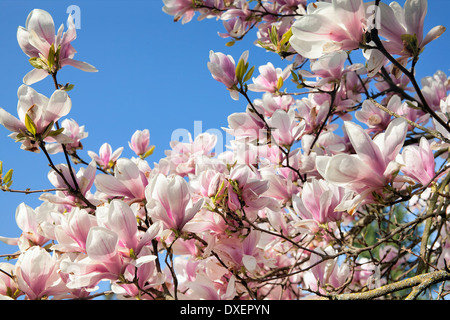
column 419, row 283
column 434, row 133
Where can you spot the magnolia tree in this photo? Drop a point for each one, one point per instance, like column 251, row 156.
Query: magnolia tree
column 334, row 184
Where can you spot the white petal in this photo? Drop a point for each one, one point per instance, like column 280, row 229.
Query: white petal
column 34, row 76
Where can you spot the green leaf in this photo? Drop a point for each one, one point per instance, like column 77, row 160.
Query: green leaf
column 149, row 152
column 280, row 83
column 230, row 43
column 29, row 124
column 55, row 132
column 240, row 70
column 48, row 129
column 249, row 74
column 8, row 176
column 68, row 87
column 51, row 56
column 273, row 34
column 411, row 44
column 37, row 63
column 285, row 38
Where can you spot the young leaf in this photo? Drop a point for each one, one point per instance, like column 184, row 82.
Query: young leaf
column 29, row 124
column 37, row 63
column 8, row 176
column 249, row 74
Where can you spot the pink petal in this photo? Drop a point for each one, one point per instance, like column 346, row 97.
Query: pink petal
column 42, row 23
column 84, row 66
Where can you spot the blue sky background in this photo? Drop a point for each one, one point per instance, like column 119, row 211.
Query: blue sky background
column 152, row 74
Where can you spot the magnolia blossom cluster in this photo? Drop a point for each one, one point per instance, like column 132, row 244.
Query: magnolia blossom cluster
column 281, row 213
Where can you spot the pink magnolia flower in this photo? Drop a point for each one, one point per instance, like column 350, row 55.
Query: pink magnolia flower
column 146, row 275
column 37, row 274
column 74, row 134
column 8, row 286
column 121, row 219
column 236, row 20
column 271, row 103
column 72, row 231
column 140, row 143
column 285, row 128
column 329, row 67
column 326, row 273
column 48, row 52
column 374, row 117
column 106, row 158
column 28, row 220
column 368, row 274
column 84, row 179
column 169, row 201
column 42, row 111
column 223, row 69
column 101, row 262
column 185, row 156
column 280, row 188
column 397, row 22
column 313, row 113
column 269, row 78
column 372, row 167
column 245, row 124
column 246, row 190
column 329, row 26
column 203, row 288
column 418, row 162
column 179, row 9
column 318, row 201
column 128, row 181
column 435, row 88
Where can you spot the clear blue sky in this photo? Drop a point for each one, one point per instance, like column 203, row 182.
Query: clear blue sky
column 152, row 74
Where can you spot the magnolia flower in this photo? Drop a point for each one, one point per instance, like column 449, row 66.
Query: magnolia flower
column 329, row 26
column 374, row 117
column 120, row 218
column 270, row 79
column 223, row 69
column 179, row 9
column 37, row 274
column 236, row 21
column 140, row 143
column 72, row 230
column 245, row 124
column 185, row 156
column 8, row 286
column 106, row 158
column 318, row 201
column 403, row 27
column 102, row 262
column 27, row 219
column 128, row 181
column 285, row 129
column 418, row 162
column 271, row 103
column 169, row 201
column 434, row 89
column 37, row 114
column 48, row 53
column 372, row 167
column 74, row 133
column 84, row 180
column 326, row 273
